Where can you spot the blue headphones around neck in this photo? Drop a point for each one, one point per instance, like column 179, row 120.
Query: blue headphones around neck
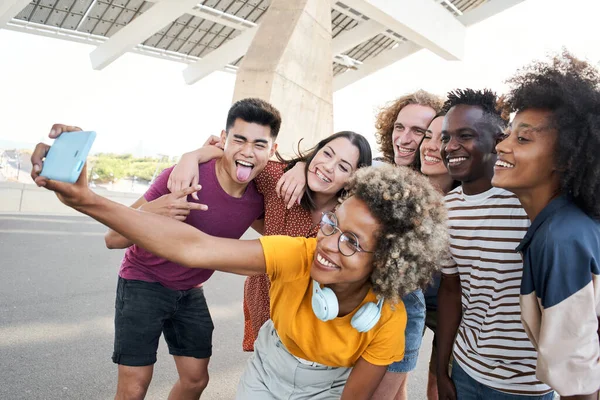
column 325, row 306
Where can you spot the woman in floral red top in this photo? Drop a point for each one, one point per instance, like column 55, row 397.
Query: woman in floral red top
column 325, row 170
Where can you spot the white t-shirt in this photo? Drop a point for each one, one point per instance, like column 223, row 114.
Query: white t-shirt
column 491, row 346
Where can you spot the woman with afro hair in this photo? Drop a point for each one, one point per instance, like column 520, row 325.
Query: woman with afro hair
column 336, row 312
column 550, row 158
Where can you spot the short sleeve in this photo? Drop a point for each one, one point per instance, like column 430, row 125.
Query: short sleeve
column 568, row 345
column 267, row 179
column 448, row 265
column 287, row 258
column 388, row 344
column 159, row 186
column 565, row 266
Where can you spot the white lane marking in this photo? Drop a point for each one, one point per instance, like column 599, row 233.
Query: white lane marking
column 54, row 233
column 54, row 220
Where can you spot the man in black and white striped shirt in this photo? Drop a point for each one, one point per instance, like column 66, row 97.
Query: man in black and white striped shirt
column 478, row 300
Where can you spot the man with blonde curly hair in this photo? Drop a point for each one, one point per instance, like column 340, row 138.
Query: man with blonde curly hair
column 401, row 127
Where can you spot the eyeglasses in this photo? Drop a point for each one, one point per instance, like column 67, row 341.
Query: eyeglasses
column 347, row 242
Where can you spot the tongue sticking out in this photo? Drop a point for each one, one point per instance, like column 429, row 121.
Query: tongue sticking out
column 243, row 172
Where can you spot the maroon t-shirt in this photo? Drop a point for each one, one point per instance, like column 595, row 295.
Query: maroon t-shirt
column 227, row 217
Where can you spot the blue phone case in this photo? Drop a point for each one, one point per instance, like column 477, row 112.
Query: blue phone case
column 67, row 155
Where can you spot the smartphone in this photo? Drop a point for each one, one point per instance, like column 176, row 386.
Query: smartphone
column 67, row 156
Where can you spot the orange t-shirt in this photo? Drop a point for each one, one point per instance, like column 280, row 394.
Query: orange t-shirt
column 334, row 343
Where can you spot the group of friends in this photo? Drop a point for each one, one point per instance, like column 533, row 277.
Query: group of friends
column 484, row 230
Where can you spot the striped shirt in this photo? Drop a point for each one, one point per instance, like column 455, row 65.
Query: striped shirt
column 491, row 345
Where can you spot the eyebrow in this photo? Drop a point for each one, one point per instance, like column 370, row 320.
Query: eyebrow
column 447, row 132
column 416, row 128
column 333, row 151
column 245, row 139
column 524, row 125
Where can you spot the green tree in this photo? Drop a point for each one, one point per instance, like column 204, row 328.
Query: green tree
column 125, row 166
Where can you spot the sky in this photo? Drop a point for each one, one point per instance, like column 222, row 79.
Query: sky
column 141, row 104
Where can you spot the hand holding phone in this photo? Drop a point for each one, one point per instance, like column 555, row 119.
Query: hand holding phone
column 72, row 195
column 66, row 157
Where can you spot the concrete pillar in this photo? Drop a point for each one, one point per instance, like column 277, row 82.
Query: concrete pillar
column 289, row 65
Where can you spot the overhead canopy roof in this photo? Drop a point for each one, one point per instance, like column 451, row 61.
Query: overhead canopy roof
column 213, row 35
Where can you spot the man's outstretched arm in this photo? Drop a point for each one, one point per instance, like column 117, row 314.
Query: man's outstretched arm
column 172, row 240
column 113, row 239
column 166, row 237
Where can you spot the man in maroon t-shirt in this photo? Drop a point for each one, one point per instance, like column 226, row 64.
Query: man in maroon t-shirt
column 157, row 296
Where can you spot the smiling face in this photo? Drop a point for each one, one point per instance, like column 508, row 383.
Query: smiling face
column 247, row 148
column 329, row 265
column 468, row 141
column 431, row 158
column 332, row 166
column 526, row 156
column 409, row 130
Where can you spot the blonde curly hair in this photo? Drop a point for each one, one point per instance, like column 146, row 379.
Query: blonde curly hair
column 388, row 114
column 413, row 238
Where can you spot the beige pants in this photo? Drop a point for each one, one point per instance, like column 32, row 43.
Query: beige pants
column 273, row 373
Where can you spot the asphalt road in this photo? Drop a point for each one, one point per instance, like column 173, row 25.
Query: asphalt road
column 57, row 293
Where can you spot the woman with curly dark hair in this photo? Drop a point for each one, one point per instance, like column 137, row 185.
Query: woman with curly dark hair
column 550, row 160
column 336, row 315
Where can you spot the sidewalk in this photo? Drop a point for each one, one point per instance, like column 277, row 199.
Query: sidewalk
column 18, row 197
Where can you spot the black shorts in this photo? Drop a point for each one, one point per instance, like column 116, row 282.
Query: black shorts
column 144, row 310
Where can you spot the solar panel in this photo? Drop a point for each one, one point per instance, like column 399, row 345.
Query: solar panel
column 205, row 28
